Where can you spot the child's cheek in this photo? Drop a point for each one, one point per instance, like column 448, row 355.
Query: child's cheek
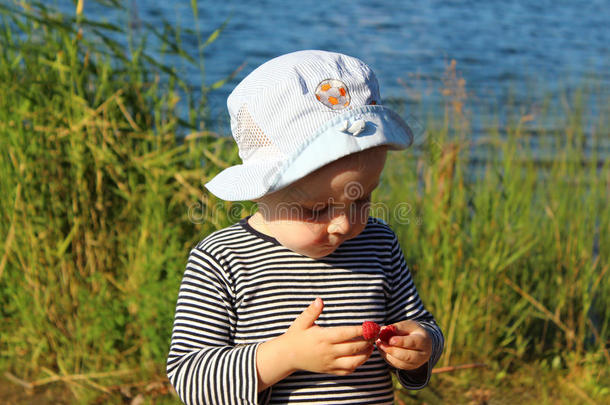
column 316, row 233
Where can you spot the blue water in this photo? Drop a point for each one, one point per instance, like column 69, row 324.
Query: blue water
column 516, row 52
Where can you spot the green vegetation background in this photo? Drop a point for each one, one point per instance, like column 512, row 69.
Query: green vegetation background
column 101, row 202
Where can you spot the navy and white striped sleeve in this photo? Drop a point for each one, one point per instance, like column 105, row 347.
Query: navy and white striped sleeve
column 202, row 365
column 405, row 304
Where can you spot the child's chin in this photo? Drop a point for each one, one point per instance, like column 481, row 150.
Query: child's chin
column 319, row 251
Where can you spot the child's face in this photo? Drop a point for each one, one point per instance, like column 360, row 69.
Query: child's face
column 319, row 212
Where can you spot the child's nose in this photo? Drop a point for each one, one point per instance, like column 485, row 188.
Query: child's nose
column 339, row 224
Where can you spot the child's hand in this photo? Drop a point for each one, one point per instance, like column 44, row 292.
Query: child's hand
column 306, row 346
column 409, row 349
column 335, row 350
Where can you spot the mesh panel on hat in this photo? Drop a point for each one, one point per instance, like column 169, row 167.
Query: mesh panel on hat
column 250, row 138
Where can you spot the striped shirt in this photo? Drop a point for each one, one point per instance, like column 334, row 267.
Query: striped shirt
column 242, row 287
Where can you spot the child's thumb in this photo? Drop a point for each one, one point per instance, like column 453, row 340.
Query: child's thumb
column 309, row 316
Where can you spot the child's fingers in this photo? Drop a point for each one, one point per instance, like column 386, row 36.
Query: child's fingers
column 412, row 342
column 352, row 348
column 339, row 334
column 347, row 365
column 403, row 358
column 308, row 317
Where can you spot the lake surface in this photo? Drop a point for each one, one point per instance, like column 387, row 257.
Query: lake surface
column 518, row 52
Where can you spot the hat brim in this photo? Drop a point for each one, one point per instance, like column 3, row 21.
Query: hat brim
column 331, row 142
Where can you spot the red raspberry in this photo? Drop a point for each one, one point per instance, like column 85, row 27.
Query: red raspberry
column 370, row 330
column 386, row 333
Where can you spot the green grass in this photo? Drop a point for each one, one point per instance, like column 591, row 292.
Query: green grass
column 101, row 203
column 515, row 262
column 96, row 194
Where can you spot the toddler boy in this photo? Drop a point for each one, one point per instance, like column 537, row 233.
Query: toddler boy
column 270, row 309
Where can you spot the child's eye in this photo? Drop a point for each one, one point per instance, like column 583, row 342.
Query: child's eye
column 314, row 212
column 321, row 208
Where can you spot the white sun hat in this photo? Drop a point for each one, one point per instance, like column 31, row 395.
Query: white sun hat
column 299, row 112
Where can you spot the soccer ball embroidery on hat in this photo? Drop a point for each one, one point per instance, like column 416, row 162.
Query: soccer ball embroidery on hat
column 333, row 94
